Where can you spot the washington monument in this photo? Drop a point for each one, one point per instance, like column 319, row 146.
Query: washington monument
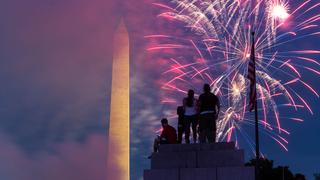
column 119, row 126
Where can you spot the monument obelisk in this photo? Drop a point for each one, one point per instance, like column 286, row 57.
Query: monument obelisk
column 118, row 149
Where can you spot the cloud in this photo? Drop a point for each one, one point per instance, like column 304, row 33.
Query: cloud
column 56, row 60
column 55, row 71
column 67, row 161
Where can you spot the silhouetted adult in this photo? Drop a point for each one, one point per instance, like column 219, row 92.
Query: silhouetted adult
column 168, row 135
column 209, row 107
column 190, row 116
column 180, row 113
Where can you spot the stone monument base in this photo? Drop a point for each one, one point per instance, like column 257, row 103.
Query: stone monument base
column 218, row 161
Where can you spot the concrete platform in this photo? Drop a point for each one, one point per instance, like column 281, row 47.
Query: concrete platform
column 219, row 173
column 169, row 160
column 206, row 159
column 197, row 159
column 197, row 147
column 199, row 174
column 161, row 174
column 219, row 161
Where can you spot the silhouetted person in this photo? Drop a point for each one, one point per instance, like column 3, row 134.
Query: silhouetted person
column 180, row 113
column 168, row 135
column 190, row 116
column 209, row 107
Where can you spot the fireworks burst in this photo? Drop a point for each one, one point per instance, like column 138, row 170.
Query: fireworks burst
column 217, row 52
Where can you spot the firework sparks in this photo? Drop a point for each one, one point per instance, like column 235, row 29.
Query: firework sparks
column 279, row 11
column 218, row 50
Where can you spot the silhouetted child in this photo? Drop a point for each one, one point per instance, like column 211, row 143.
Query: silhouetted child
column 181, row 127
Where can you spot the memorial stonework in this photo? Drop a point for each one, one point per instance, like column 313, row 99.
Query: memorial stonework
column 218, row 161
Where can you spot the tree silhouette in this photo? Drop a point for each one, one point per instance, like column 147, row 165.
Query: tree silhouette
column 299, row 177
column 267, row 171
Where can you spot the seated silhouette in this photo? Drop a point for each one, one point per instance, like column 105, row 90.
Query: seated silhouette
column 168, row 136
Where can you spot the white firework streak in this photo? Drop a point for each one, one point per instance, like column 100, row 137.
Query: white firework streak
column 219, row 51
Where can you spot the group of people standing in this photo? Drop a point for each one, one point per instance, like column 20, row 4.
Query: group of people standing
column 199, row 114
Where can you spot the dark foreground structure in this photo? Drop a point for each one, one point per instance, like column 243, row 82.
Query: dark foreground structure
column 216, row 161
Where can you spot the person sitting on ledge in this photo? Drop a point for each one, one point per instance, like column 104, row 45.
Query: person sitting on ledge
column 168, row 135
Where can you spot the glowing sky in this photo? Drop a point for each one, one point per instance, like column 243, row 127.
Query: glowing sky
column 55, row 74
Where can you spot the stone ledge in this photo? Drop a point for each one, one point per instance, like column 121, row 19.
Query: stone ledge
column 197, row 147
column 174, row 160
column 198, row 174
column 207, row 159
column 219, row 173
column 161, row 174
column 197, row 159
